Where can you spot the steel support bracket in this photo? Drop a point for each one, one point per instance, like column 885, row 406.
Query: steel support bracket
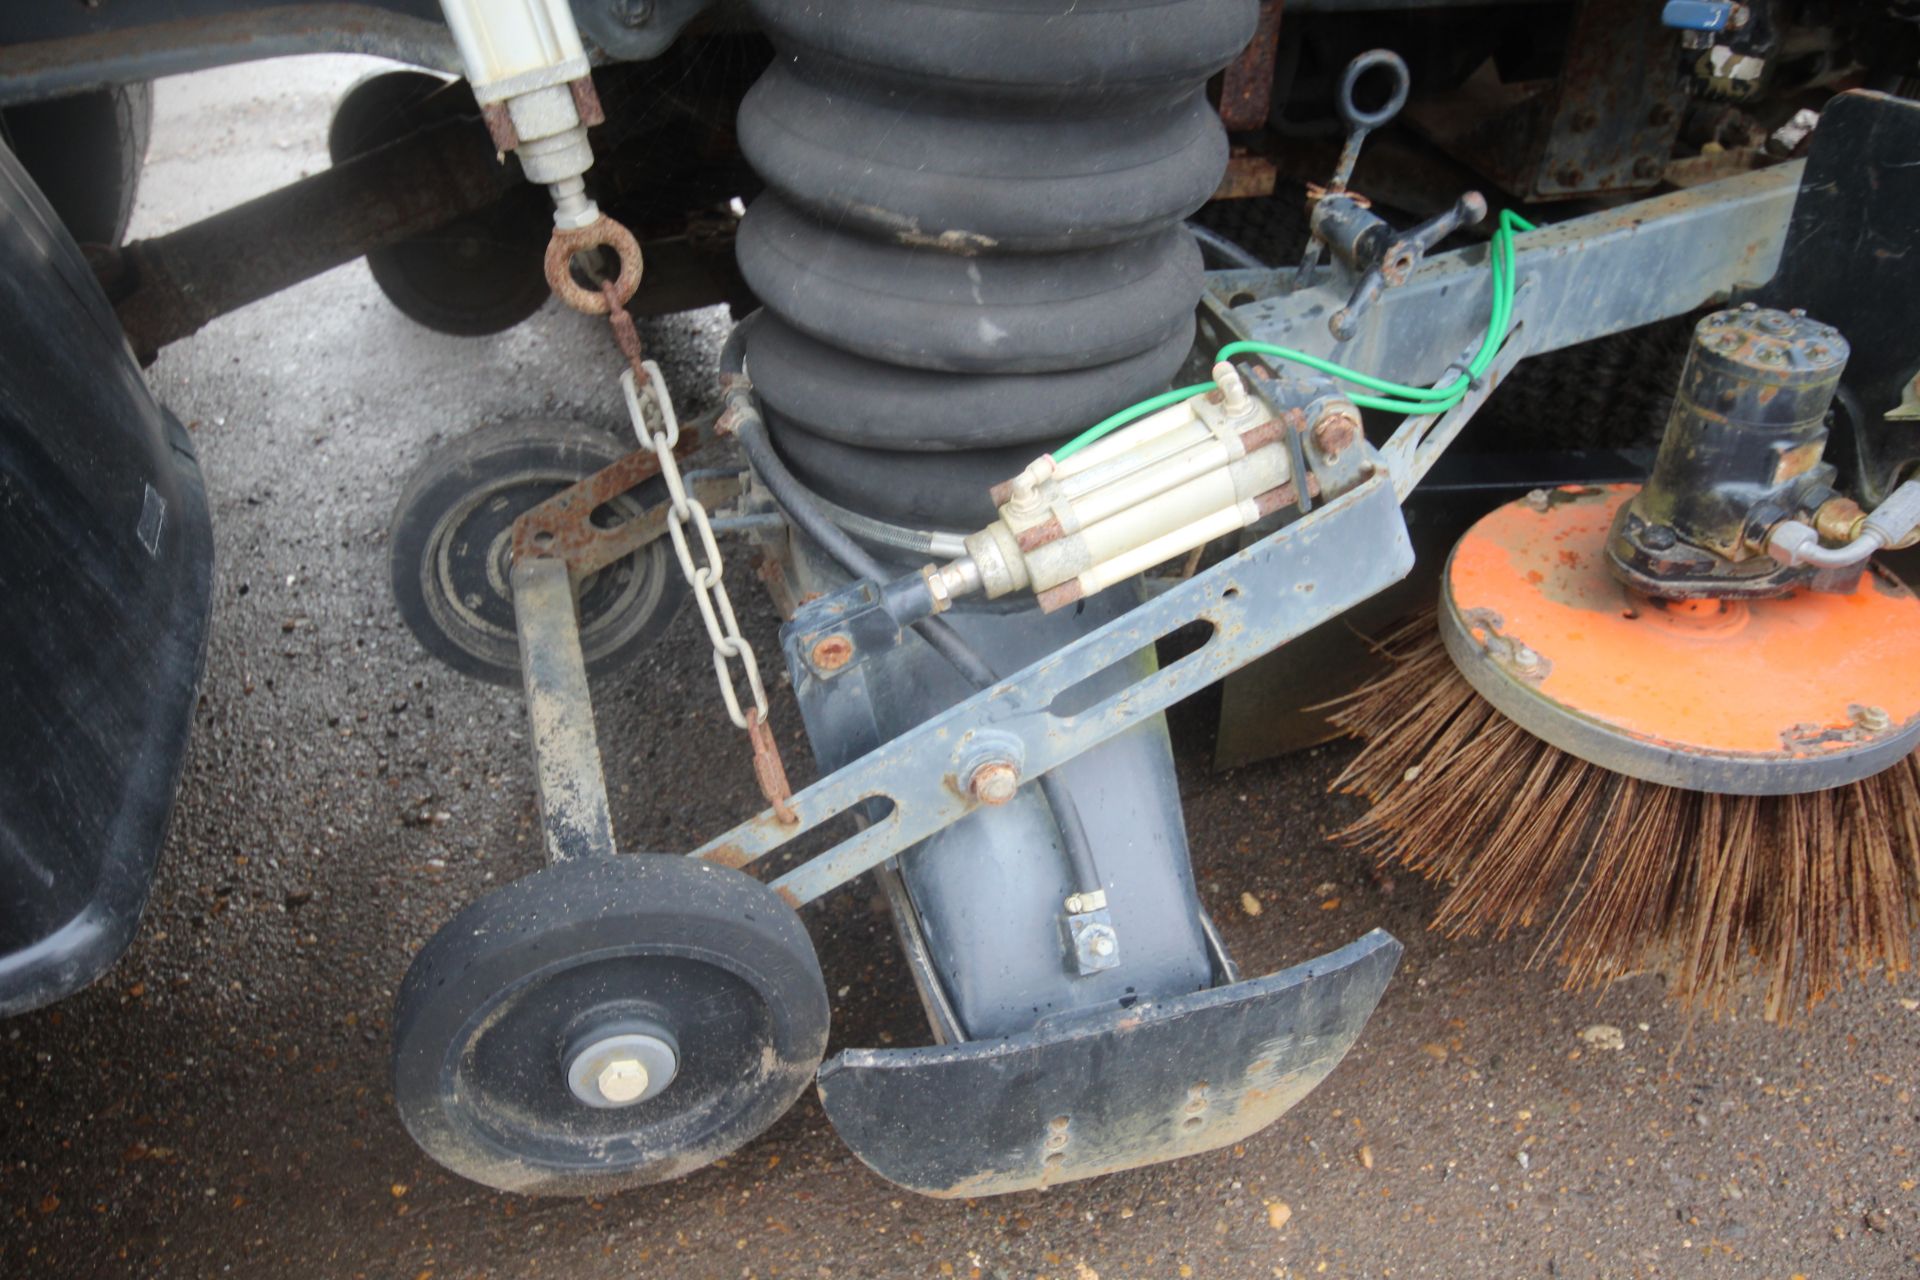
column 1591, row 276
column 1254, row 601
column 832, row 635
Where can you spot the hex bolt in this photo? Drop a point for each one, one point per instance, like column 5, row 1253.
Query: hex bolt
column 1101, row 944
column 1873, row 719
column 832, row 653
column 994, row 782
column 622, row 1080
column 1526, row 659
column 1538, row 500
column 1333, row 433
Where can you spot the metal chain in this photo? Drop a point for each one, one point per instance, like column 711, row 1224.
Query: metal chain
column 703, row 572
column 644, row 387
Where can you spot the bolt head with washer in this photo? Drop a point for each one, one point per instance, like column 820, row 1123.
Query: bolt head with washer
column 832, row 653
column 622, row 1068
column 622, row 1080
column 995, row 782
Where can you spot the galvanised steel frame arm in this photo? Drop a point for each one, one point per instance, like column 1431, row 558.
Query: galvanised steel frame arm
column 1256, row 600
column 1577, row 280
column 1589, row 277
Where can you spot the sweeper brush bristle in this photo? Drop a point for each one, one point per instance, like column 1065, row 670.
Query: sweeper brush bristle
column 1627, row 876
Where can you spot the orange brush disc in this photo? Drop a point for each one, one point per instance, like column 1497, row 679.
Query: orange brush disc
column 1761, row 697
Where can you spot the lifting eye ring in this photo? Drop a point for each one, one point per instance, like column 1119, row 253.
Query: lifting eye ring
column 1399, row 81
column 605, row 233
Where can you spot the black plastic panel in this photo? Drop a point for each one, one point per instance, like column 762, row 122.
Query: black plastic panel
column 106, row 573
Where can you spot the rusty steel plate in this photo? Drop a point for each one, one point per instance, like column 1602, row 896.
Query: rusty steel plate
column 1760, row 697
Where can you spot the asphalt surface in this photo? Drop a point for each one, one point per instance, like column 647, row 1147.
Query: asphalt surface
column 218, row 1105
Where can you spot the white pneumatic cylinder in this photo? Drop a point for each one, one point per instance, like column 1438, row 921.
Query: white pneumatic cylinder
column 526, row 56
column 1173, row 481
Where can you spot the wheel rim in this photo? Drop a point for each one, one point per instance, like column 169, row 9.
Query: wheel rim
column 514, row 1065
column 607, row 1022
column 464, row 575
column 618, row 1063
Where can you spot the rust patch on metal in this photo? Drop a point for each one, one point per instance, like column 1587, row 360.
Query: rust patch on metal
column 1247, row 177
column 1268, row 432
column 1798, row 460
column 1246, row 84
column 832, row 653
column 1284, row 496
column 730, row 856
column 625, row 336
column 562, row 527
column 766, row 567
column 1068, row 592
column 1334, row 433
column 788, row 896
column 1040, row 534
column 602, row 233
column 586, row 101
column 770, row 771
column 500, row 128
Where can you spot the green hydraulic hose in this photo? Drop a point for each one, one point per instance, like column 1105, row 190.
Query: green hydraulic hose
column 1396, row 398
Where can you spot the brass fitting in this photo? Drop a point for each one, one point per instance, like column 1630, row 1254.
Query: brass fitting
column 1838, row 520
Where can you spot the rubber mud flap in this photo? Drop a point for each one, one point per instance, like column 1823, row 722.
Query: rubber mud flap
column 1128, row 1087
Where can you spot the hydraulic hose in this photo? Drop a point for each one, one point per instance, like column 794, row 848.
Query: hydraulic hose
column 896, row 537
column 1212, row 242
column 799, row 504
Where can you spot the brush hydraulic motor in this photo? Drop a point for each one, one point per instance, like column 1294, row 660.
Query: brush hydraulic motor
column 1740, row 503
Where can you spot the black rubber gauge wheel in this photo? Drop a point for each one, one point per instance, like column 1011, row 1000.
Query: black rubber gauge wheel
column 479, row 274
column 449, row 548
column 607, row 1022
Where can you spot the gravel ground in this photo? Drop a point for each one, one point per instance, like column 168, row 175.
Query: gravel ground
column 218, row 1104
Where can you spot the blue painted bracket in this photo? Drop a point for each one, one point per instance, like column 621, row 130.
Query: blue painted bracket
column 1256, row 600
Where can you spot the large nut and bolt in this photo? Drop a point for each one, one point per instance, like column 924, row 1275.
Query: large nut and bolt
column 619, row 1068
column 994, row 782
column 832, row 653
column 1334, row 433
column 622, row 1080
